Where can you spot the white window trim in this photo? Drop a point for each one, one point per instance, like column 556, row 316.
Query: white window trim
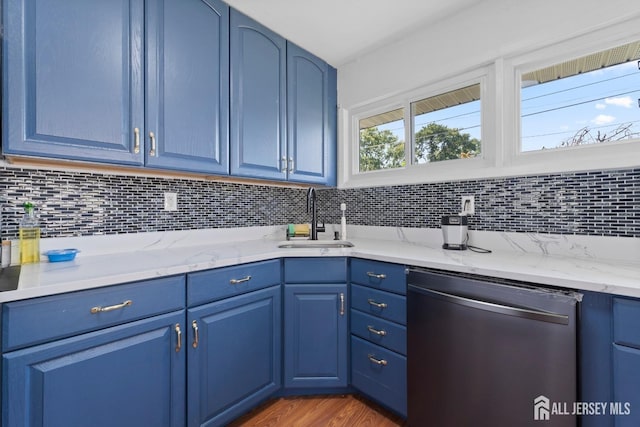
column 416, row 173
column 378, row 109
column 500, row 109
column 587, row 157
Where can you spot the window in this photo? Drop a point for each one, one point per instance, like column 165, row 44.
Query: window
column 589, row 100
column 447, row 126
column 381, row 141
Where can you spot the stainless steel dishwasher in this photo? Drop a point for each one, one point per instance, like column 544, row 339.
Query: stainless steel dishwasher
column 480, row 352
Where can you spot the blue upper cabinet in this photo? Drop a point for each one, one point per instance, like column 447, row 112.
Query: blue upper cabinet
column 258, row 100
column 283, row 108
column 72, row 81
column 123, row 81
column 187, row 85
column 311, row 118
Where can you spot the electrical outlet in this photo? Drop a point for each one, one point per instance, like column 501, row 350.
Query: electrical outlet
column 468, row 206
column 170, row 201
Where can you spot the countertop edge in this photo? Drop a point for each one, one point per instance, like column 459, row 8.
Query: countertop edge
column 572, row 273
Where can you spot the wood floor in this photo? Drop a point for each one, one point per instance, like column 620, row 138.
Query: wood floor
column 319, row 411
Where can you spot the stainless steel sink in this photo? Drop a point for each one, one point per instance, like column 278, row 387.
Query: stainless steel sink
column 309, row 244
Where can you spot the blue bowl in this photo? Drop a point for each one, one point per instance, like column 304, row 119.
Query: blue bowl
column 59, row 255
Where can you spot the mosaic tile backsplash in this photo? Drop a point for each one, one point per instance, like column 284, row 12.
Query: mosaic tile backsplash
column 603, row 203
column 83, row 204
column 600, row 203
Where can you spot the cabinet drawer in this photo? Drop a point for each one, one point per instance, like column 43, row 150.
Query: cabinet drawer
column 44, row 319
column 379, row 275
column 384, row 380
column 379, row 331
column 379, row 303
column 626, row 318
column 211, row 285
column 315, row 270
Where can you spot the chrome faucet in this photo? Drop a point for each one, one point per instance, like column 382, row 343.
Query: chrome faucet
column 311, row 206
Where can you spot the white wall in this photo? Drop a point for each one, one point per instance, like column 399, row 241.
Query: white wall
column 478, row 36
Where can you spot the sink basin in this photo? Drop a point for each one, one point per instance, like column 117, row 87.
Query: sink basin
column 316, row 244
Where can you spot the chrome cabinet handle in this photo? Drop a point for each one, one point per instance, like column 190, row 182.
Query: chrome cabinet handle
column 291, row 164
column 377, row 304
column 283, row 165
column 196, row 335
column 136, row 140
column 341, row 304
column 99, row 309
column 152, row 137
column 380, row 362
column 236, row 281
column 381, row 332
column 179, row 335
column 376, row 276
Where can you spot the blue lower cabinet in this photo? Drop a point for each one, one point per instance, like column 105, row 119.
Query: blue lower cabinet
column 129, row 375
column 316, row 335
column 379, row 331
column 626, row 362
column 595, row 356
column 380, row 374
column 234, row 356
column 626, row 380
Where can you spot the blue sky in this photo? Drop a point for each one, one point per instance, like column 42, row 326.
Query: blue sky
column 600, row 100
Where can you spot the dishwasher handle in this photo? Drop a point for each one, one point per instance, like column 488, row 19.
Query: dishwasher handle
column 525, row 313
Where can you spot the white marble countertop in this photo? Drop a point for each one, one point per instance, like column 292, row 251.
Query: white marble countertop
column 155, row 255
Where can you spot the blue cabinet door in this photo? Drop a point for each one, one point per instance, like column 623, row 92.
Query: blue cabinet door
column 626, row 377
column 187, row 85
column 311, row 118
column 595, row 337
column 129, row 375
column 258, row 100
column 73, row 79
column 235, row 361
column 315, row 325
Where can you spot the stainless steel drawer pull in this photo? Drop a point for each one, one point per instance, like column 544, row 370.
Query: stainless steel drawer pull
column 236, row 281
column 291, row 164
column 152, row 137
column 377, row 304
column 136, row 140
column 341, row 304
column 99, row 309
column 179, row 336
column 196, row 335
column 381, row 333
column 376, row 276
column 283, row 165
column 380, row 362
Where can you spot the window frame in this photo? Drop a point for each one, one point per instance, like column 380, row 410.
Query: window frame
column 413, row 172
column 366, row 113
column 591, row 156
column 501, row 154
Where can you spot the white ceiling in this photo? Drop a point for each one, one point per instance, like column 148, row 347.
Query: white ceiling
column 339, row 31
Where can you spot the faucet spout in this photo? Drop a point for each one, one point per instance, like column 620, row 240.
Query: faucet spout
column 311, row 208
